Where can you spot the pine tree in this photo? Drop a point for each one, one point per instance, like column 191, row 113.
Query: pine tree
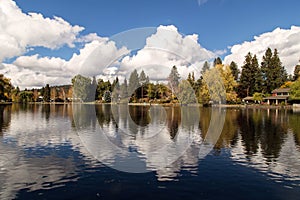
column 296, row 72
column 124, row 89
column 133, row 83
column 46, row 94
column 173, row 79
column 206, row 66
column 274, row 74
column 115, row 95
column 191, row 79
column 144, row 81
column 234, row 69
column 250, row 77
column 217, row 61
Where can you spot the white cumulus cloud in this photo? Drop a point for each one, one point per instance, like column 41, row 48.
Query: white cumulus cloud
column 287, row 42
column 164, row 49
column 20, row 31
column 95, row 56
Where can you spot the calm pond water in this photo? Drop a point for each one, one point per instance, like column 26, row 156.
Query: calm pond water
column 138, row 152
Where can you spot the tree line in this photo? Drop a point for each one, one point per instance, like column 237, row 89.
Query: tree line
column 219, row 83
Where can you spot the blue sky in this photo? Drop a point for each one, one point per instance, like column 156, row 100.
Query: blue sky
column 36, row 48
column 219, row 23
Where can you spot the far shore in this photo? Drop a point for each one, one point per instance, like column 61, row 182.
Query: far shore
column 243, row 106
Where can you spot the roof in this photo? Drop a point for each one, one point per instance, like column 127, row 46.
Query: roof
column 248, row 98
column 282, row 97
column 281, row 90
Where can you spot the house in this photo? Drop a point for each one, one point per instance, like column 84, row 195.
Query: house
column 279, row 95
column 248, row 100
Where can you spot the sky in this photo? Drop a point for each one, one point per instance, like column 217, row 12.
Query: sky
column 50, row 41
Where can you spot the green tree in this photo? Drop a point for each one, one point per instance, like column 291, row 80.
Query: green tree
column 203, row 94
column 93, row 89
column 151, row 91
column 82, row 88
column 47, row 93
column 115, row 95
column 144, row 81
column 5, row 88
column 258, row 97
column 191, row 79
column 235, row 70
column 249, row 80
column 134, row 84
column 173, row 79
column 15, row 95
column 102, row 86
column 274, row 74
column 295, row 90
column 26, row 96
column 124, row 90
column 296, row 72
column 217, row 61
column 107, row 96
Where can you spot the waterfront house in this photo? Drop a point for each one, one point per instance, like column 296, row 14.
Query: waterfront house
column 279, row 95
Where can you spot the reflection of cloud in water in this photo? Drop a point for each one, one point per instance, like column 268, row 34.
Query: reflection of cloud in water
column 148, row 147
column 38, row 153
column 287, row 164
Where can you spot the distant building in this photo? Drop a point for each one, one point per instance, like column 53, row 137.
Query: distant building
column 248, row 100
column 279, row 95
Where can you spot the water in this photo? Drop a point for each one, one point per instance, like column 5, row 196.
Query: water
column 86, row 152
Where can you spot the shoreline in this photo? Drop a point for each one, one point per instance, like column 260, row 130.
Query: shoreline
column 240, row 106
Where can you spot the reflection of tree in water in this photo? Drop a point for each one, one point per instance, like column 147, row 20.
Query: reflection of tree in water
column 173, row 120
column 205, row 116
column 264, row 128
column 103, row 113
column 249, row 130
column 140, row 115
column 294, row 125
column 46, row 111
column 229, row 134
column 84, row 115
column 5, row 117
column 274, row 134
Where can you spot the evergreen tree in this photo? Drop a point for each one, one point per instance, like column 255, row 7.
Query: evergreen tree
column 296, row 72
column 115, row 95
column 124, row 89
column 47, row 93
column 274, row 74
column 173, row 79
column 234, row 70
column 92, row 90
column 217, row 61
column 206, row 66
column 191, row 79
column 133, row 83
column 144, row 81
column 249, row 80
